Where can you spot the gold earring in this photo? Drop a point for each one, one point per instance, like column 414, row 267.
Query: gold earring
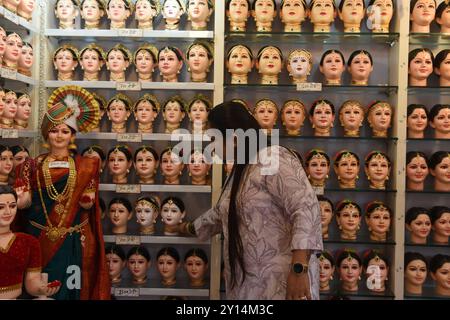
column 72, row 145
column 46, row 145
column 128, row 170
column 190, row 174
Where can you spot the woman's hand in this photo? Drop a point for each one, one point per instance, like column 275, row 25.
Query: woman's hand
column 23, row 197
column 298, row 287
column 49, row 289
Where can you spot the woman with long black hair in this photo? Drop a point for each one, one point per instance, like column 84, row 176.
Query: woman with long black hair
column 269, row 216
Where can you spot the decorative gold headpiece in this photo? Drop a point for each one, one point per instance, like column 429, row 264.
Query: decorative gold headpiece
column 70, row 48
column 120, row 47
column 95, row 47
column 202, row 43
column 150, row 98
column 301, row 52
column 202, row 98
column 121, row 97
column 178, row 99
column 265, row 102
column 148, row 47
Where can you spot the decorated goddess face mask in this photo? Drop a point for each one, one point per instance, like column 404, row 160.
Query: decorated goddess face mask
column 264, row 12
column 420, row 68
column 171, row 214
column 422, row 14
column 378, row 222
column 379, row 118
column 91, row 12
column 317, row 168
column 323, row 13
column 146, row 214
column 351, row 116
column 146, row 165
column 266, row 113
column 360, row 67
column 269, row 63
column 146, row 11
column 13, row 51
column 238, row 11
column 346, row 168
column 199, row 12
column 172, row 11
column 66, row 11
column 25, row 8
column 299, row 65
column 239, row 64
column 332, row 66
column 379, row 15
column 348, row 219
column 118, row 12
column 293, row 115
column 377, row 169
column 292, row 14
column 351, row 12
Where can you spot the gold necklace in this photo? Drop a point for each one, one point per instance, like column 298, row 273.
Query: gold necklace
column 51, row 190
column 53, row 233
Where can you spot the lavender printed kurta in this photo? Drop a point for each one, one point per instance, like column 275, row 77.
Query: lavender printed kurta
column 279, row 212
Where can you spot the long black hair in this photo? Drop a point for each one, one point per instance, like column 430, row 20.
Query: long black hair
column 233, row 115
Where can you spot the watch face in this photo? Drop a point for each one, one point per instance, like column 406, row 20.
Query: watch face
column 297, row 267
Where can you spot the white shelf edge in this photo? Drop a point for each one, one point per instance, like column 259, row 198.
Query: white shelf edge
column 160, row 188
column 20, row 133
column 174, row 292
column 166, row 291
column 84, row 84
column 145, row 136
column 145, row 85
column 105, row 33
column 161, row 240
column 20, row 78
column 18, row 20
column 178, row 86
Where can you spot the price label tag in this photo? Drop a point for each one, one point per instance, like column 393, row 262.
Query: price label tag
column 9, row 74
column 128, row 240
column 309, row 86
column 129, row 137
column 128, row 86
column 10, row 133
column 128, row 188
column 320, row 191
column 59, row 164
column 11, row 16
column 138, row 33
column 127, row 292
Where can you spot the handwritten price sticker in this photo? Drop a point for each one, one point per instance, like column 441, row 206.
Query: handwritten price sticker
column 129, row 137
column 127, row 292
column 10, row 133
column 128, row 188
column 309, row 86
column 9, row 74
column 320, row 191
column 128, row 86
column 128, row 240
column 11, row 16
column 131, row 33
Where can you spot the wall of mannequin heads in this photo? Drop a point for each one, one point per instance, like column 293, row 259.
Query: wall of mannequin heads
column 15, row 53
column 143, row 14
column 15, row 109
column 141, row 267
column 119, row 60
